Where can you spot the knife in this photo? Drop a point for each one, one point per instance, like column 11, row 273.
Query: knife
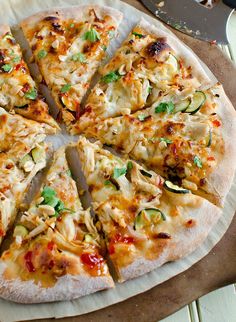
column 194, row 19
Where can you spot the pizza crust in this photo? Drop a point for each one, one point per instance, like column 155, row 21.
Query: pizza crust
column 222, row 177
column 76, row 12
column 183, row 242
column 67, row 288
column 181, row 50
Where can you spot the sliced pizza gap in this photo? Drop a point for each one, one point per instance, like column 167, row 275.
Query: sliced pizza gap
column 189, row 142
column 56, row 254
column 68, row 46
column 150, row 63
column 147, row 221
column 18, row 91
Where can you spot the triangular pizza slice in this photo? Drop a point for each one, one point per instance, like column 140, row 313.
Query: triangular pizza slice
column 150, row 64
column 18, row 91
column 56, row 252
column 68, row 45
column 147, row 221
column 22, row 155
column 189, row 142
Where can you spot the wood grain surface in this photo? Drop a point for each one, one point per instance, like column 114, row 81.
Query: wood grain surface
column 215, row 270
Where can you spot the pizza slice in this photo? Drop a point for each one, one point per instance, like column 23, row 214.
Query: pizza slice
column 68, row 46
column 18, row 91
column 19, row 135
column 56, row 252
column 147, row 221
column 150, row 64
column 189, row 142
column 22, row 155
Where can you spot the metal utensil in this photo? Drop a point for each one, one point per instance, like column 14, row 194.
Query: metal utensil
column 194, row 19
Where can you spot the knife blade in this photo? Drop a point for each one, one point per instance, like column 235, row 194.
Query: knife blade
column 192, row 18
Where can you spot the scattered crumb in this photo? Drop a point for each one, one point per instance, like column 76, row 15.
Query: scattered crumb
column 161, row 4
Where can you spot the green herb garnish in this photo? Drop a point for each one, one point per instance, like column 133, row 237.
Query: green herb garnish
column 32, row 94
column 165, row 140
column 65, row 88
column 129, row 165
column 167, row 107
column 91, row 35
column 42, row 54
column 16, row 59
column 79, row 57
column 104, row 48
column 136, row 34
column 142, row 117
column 111, row 77
column 7, row 68
column 197, row 161
column 119, row 172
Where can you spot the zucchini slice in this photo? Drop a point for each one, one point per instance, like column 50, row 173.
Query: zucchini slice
column 174, row 188
column 148, row 216
column 173, row 61
column 197, row 101
column 209, row 139
column 20, row 231
column 182, row 105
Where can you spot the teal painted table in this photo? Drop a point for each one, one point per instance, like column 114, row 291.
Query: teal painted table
column 220, row 305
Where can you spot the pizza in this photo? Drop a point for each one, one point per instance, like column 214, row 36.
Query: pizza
column 56, row 252
column 186, row 141
column 18, row 91
column 149, row 65
column 155, row 160
column 147, row 221
column 68, row 46
column 22, row 155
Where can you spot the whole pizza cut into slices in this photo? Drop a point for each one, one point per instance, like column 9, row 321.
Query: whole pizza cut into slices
column 150, row 64
column 56, row 250
column 68, row 46
column 18, row 91
column 190, row 142
column 22, row 155
column 147, row 221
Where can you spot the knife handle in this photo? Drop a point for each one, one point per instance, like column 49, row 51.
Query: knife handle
column 230, row 3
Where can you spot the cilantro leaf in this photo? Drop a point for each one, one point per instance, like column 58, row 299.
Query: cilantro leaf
column 111, row 77
column 65, row 88
column 68, row 172
column 129, row 165
column 79, row 57
column 91, row 35
column 48, row 193
column 137, row 34
column 142, row 117
column 165, row 140
column 167, row 107
column 119, row 172
column 72, row 25
column 32, row 94
column 16, row 59
column 107, row 182
column 149, row 89
column 7, row 68
column 197, row 161
column 104, row 48
column 42, row 54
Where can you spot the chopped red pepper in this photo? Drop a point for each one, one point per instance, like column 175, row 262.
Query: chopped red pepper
column 28, row 262
column 50, row 245
column 91, row 260
column 211, row 159
column 216, row 123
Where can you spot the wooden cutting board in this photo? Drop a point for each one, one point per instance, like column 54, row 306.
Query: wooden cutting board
column 215, row 270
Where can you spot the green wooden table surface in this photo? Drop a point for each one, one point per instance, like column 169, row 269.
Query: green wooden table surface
column 220, row 305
